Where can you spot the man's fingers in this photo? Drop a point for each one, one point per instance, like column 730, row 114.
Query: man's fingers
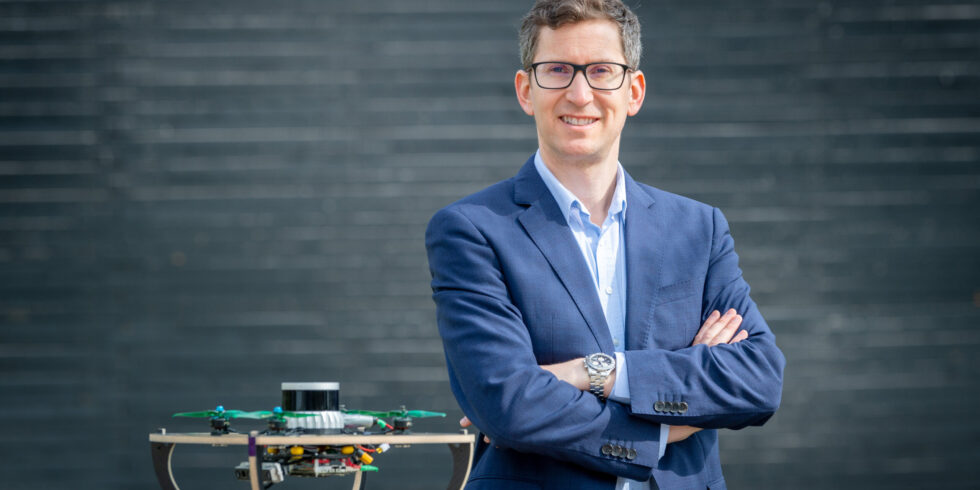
column 727, row 332
column 680, row 432
column 719, row 327
column 465, row 422
column 712, row 318
column 708, row 322
column 709, row 331
column 742, row 335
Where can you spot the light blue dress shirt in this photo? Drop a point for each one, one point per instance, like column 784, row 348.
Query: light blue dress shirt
column 604, row 251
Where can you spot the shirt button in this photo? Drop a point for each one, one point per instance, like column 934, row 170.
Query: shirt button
column 609, row 290
column 616, row 342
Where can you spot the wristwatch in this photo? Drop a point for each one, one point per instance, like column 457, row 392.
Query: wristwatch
column 599, row 365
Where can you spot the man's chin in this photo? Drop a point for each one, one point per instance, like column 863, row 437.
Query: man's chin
column 579, row 153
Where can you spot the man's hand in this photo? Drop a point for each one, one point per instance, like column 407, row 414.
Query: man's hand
column 720, row 329
column 680, row 432
column 574, row 373
column 465, row 422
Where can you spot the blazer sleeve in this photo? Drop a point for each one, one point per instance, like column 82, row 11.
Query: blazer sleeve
column 725, row 386
column 494, row 375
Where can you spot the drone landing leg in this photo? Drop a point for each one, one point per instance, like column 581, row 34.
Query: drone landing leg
column 462, row 460
column 161, row 452
column 358, row 481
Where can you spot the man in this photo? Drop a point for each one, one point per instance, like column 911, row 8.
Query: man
column 581, row 311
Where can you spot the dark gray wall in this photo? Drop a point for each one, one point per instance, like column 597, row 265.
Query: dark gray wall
column 199, row 200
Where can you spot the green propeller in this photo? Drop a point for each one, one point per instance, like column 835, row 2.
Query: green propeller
column 276, row 413
column 218, row 411
column 418, row 414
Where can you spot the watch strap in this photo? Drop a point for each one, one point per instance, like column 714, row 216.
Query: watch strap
column 597, row 380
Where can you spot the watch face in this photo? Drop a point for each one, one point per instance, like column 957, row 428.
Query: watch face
column 602, row 362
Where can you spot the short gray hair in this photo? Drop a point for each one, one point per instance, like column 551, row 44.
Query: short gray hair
column 556, row 13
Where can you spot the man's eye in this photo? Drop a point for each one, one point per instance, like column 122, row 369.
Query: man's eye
column 555, row 69
column 600, row 69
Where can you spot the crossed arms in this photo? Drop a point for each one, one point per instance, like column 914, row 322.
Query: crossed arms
column 481, row 284
column 717, row 329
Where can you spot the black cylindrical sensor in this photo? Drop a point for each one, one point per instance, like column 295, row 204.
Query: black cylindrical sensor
column 310, row 397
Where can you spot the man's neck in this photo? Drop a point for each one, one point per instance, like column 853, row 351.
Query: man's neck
column 593, row 183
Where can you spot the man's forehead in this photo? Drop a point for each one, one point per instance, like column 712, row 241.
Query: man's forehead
column 591, row 40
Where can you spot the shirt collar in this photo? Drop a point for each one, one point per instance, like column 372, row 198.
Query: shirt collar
column 567, row 202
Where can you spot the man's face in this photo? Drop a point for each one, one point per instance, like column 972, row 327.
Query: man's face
column 578, row 124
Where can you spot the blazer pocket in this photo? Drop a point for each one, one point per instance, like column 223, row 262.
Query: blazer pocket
column 680, row 290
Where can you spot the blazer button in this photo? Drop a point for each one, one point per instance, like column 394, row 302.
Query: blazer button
column 617, row 450
column 659, row 406
column 631, row 454
column 675, row 407
column 683, row 407
column 606, row 449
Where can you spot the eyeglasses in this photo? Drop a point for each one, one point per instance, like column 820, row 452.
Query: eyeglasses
column 600, row 76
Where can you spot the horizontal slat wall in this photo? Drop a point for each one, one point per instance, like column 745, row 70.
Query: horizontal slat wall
column 199, row 200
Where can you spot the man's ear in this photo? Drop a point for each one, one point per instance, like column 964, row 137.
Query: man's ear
column 522, row 85
column 638, row 90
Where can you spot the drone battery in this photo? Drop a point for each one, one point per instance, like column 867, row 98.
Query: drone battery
column 310, row 397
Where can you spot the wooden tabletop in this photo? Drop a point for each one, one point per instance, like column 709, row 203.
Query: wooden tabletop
column 310, row 439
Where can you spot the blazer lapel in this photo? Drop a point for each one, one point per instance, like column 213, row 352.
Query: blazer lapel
column 645, row 227
column 546, row 226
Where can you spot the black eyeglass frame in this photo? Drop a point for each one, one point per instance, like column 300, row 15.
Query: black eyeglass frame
column 579, row 68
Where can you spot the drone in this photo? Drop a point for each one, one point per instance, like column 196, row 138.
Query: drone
column 314, row 409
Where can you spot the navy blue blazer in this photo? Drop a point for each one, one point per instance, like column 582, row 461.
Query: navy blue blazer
column 512, row 292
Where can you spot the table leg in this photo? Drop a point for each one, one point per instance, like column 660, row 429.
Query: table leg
column 161, row 453
column 462, row 460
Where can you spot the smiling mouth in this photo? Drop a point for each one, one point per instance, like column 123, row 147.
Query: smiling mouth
column 578, row 121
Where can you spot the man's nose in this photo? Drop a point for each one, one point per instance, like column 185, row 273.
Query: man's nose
column 579, row 92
